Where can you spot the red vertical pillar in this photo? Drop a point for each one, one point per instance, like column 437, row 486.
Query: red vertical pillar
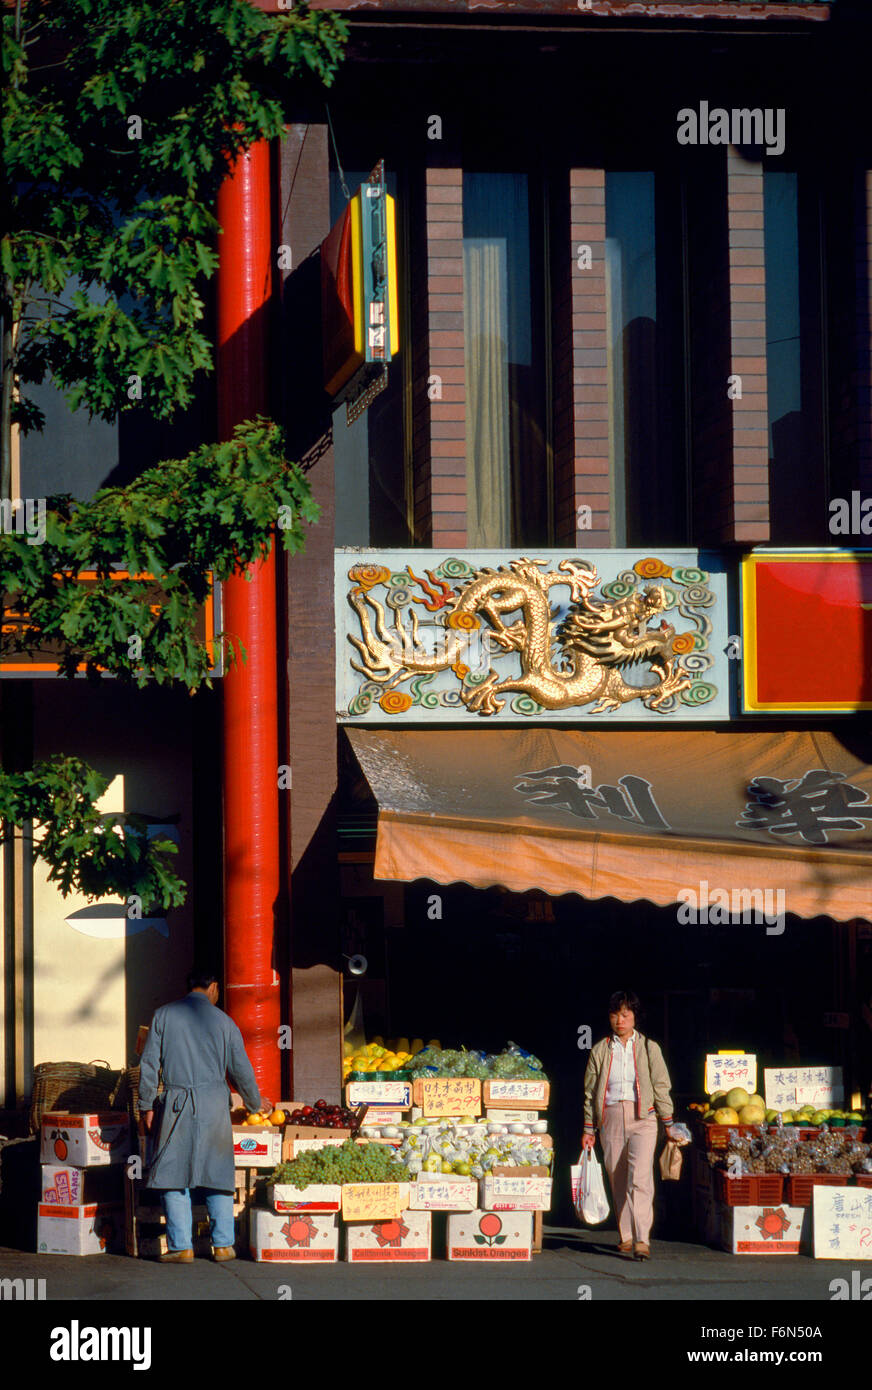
column 250, row 689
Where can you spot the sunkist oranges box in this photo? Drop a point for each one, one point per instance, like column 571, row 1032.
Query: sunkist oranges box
column 257, row 1146
column 490, row 1235
column 294, row 1236
column 84, row 1140
column 96, row 1229
column 405, row 1238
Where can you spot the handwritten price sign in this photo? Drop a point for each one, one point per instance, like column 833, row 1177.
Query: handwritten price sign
column 842, row 1223
column 504, row 1093
column 725, row 1070
column 458, row 1095
column 788, row 1087
column 374, row 1201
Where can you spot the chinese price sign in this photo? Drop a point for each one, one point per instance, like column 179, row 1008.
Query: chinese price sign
column 842, row 1223
column 786, row 1087
column 724, row 1070
column 456, row 1095
column 373, row 1201
column 532, row 1091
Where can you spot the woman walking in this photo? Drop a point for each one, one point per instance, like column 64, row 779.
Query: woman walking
column 626, row 1089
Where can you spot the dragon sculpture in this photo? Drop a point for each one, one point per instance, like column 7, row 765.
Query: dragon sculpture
column 595, row 640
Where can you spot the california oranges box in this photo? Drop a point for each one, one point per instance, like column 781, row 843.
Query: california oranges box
column 257, row 1146
column 518, row 1095
column 65, row 1186
column 403, row 1238
column 515, row 1193
column 443, row 1192
column 300, row 1237
column 84, row 1141
column 491, row 1235
column 776, row 1230
column 318, row 1196
column 97, row 1229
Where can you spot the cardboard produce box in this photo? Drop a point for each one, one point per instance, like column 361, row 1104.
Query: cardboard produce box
column 318, row 1196
column 780, row 1230
column 395, row 1094
column 499, row 1193
column 507, row 1117
column 95, row 1229
column 257, row 1146
column 443, row 1192
column 404, row 1238
column 84, row 1141
column 65, row 1186
column 517, row 1095
column 301, row 1237
column 488, row 1235
column 297, row 1139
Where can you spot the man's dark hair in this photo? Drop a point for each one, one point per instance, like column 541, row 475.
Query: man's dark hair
column 201, row 977
column 625, row 999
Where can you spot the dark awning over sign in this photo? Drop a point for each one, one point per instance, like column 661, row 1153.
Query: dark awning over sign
column 632, row 815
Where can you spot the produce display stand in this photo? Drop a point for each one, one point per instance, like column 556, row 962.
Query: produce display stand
column 752, row 1192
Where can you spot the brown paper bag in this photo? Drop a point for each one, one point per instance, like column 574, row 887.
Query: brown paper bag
column 670, row 1161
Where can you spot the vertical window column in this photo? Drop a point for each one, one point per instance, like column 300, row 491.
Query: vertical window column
column 440, row 389
column 750, row 420
column 581, row 399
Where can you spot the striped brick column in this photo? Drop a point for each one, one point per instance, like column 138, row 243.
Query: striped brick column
column 439, row 393
column 581, row 404
column 749, row 519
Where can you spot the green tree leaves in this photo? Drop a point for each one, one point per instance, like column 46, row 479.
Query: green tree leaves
column 130, row 219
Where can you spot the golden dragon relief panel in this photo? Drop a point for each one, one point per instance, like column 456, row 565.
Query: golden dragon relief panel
column 466, row 621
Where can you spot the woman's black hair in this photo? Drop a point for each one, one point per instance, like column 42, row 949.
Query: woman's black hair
column 625, row 998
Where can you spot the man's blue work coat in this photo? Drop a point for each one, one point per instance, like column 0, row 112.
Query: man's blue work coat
column 194, row 1045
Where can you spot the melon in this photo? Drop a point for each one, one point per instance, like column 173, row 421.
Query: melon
column 717, row 1099
column 752, row 1115
column 737, row 1098
column 757, row 1100
column 726, row 1116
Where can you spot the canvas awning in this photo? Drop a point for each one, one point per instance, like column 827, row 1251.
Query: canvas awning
column 642, row 814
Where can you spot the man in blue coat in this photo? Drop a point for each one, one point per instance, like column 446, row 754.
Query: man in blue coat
column 195, row 1046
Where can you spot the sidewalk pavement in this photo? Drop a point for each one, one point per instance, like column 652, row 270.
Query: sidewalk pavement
column 575, row 1265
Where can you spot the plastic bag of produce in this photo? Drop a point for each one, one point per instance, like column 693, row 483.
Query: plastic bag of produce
column 588, row 1189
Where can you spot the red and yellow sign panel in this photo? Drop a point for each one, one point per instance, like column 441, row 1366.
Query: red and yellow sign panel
column 807, row 630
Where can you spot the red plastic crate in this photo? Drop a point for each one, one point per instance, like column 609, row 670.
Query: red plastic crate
column 751, row 1190
column 799, row 1186
column 864, row 1179
column 717, row 1136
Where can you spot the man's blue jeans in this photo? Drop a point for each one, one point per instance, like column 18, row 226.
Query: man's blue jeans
column 177, row 1206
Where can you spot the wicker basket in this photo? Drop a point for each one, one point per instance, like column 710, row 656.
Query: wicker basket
column 126, row 1096
column 73, row 1086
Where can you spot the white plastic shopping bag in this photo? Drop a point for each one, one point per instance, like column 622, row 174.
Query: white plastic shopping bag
column 588, row 1189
